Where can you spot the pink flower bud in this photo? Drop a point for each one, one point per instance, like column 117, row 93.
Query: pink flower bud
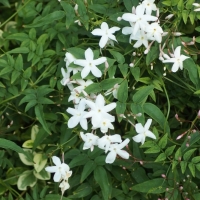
column 163, row 175
column 187, row 145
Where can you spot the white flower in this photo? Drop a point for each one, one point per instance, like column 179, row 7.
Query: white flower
column 69, row 58
column 177, row 60
column 61, row 170
column 75, row 95
column 196, row 5
column 105, row 33
column 139, row 18
column 90, row 64
column 99, row 111
column 78, row 116
column 141, row 38
column 89, row 139
column 149, row 5
column 113, row 90
column 143, row 132
column 66, row 77
column 64, row 185
column 105, row 125
column 129, row 31
column 107, row 140
column 154, row 32
column 116, row 149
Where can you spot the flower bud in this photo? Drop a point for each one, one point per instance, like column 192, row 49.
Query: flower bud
column 131, row 65
column 169, row 16
column 177, row 33
column 119, row 19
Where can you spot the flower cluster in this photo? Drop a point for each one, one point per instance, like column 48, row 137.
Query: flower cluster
column 62, row 173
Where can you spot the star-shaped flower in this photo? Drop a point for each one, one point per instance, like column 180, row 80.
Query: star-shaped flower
column 61, row 170
column 90, row 140
column 149, row 5
column 177, row 59
column 89, row 64
column 154, row 32
column 143, row 132
column 105, row 34
column 139, row 18
column 116, row 149
column 99, row 111
column 78, row 114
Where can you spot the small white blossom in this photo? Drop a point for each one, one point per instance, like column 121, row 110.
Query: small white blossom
column 143, row 132
column 89, row 64
column 61, row 170
column 116, row 149
column 177, row 59
column 105, row 33
column 64, row 185
column 90, row 140
column 149, row 6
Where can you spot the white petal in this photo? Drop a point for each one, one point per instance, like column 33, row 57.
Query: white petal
column 89, row 54
column 129, row 17
column 138, row 138
column 71, row 111
column 73, row 121
column 110, row 158
column 139, row 128
column 56, row 160
column 57, row 176
column 114, row 29
column 85, row 72
column 103, row 41
column 123, row 154
column 99, row 61
column 100, row 102
column 148, row 124
column 112, row 37
column 51, row 169
column 116, row 138
column 124, row 143
column 90, row 104
column 84, row 124
column 104, row 26
column 150, row 134
column 175, row 67
column 127, row 30
column 177, row 51
column 81, row 62
column 137, row 44
column 183, row 57
column 83, row 136
column 110, row 107
column 97, row 32
column 96, row 72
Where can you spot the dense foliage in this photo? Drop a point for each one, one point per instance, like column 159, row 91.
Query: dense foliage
column 62, row 63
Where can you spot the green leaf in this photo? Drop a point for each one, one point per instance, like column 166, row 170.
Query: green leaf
column 101, row 178
column 44, row 100
column 183, row 166
column 155, row 113
column 161, row 157
column 170, row 150
column 93, row 88
column 40, row 116
column 87, row 169
column 27, row 98
column 190, row 66
column 188, row 154
column 110, row 83
column 54, row 197
column 124, row 69
column 155, row 186
column 154, row 149
column 130, row 3
column 118, row 56
column 79, row 160
column 135, row 72
column 47, row 19
column 142, row 93
column 7, row 144
column 178, row 154
column 30, row 104
column 163, row 141
column 192, row 169
column 120, row 109
column 122, row 93
column 19, row 50
column 98, row 8
column 40, row 161
column 14, row 76
column 42, row 175
column 19, row 63
column 82, row 191
column 69, row 11
column 152, row 54
column 26, row 179
column 18, row 36
column 196, row 159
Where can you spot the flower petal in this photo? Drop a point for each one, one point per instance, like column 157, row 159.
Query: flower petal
column 139, row 128
column 85, row 72
column 97, row 32
column 123, row 154
column 99, row 61
column 51, row 169
column 100, row 102
column 110, row 158
column 110, row 107
column 129, row 17
column 175, row 67
column 104, row 26
column 150, row 134
column 148, row 124
column 114, row 29
column 124, row 143
column 89, row 55
column 138, row 138
column 103, row 41
column 57, row 176
column 73, row 121
column 81, row 62
column 127, row 30
column 96, row 72
column 56, row 160
column 83, row 123
column 177, row 51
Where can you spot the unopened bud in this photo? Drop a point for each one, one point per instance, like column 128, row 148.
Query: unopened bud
column 177, row 33
column 179, row 137
column 141, row 163
column 134, row 53
column 196, row 4
column 184, row 44
column 169, row 16
column 133, row 10
column 146, row 51
column 76, row 9
column 189, row 137
column 164, row 33
column 119, row 19
column 198, row 114
column 161, row 58
column 163, row 175
column 187, row 144
column 131, row 65
column 138, row 115
column 181, row 187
